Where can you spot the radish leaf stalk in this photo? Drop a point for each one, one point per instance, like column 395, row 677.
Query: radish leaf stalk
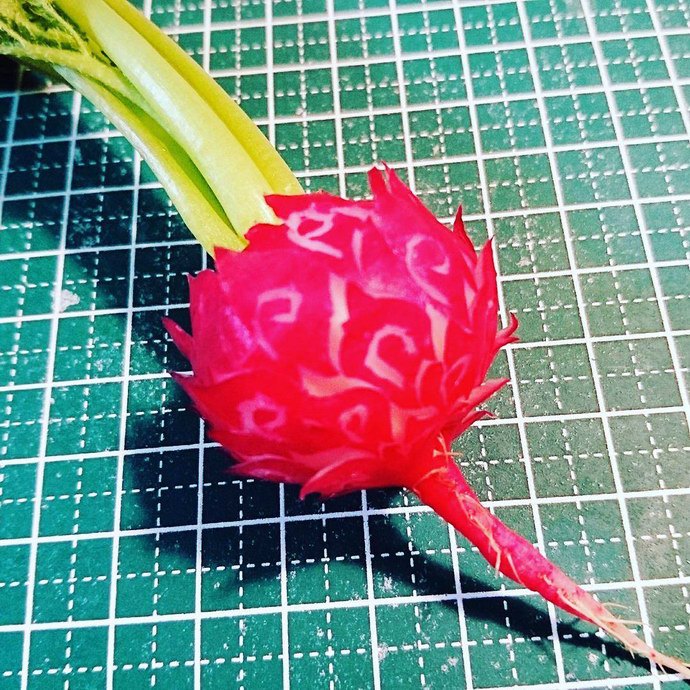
column 215, row 164
column 181, row 111
column 272, row 166
column 184, row 183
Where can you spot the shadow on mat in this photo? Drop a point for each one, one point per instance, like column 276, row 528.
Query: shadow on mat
column 241, row 563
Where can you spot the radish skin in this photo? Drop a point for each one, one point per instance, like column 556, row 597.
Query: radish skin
column 445, row 490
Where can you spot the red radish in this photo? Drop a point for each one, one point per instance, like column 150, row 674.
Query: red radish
column 346, row 348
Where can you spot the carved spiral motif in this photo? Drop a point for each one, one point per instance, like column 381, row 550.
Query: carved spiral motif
column 346, row 345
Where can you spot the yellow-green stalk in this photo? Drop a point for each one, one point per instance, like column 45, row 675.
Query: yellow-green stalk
column 215, row 164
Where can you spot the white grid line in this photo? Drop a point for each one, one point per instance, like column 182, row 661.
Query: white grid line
column 498, row 421
column 506, row 278
column 7, row 153
column 658, row 291
column 500, row 593
column 45, row 411
column 539, row 96
column 307, row 517
column 117, row 509
column 406, row 56
column 467, row 659
column 338, row 115
column 517, row 399
column 411, row 8
column 404, row 111
column 198, row 545
column 581, row 302
column 509, row 213
column 373, row 629
column 601, row 400
column 335, row 87
column 659, row 32
column 198, row 561
column 407, row 8
column 454, row 102
column 284, row 629
column 646, row 242
column 284, row 606
column 3, row 183
column 122, row 438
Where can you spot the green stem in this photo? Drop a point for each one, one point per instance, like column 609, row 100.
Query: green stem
column 187, row 189
column 273, row 167
column 214, row 162
column 235, row 179
column 43, row 55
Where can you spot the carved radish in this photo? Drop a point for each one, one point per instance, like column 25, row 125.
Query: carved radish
column 346, row 348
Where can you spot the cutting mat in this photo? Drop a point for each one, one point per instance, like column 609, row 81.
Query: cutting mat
column 129, row 558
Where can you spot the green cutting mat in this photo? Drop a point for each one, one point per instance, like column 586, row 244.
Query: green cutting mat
column 129, row 558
